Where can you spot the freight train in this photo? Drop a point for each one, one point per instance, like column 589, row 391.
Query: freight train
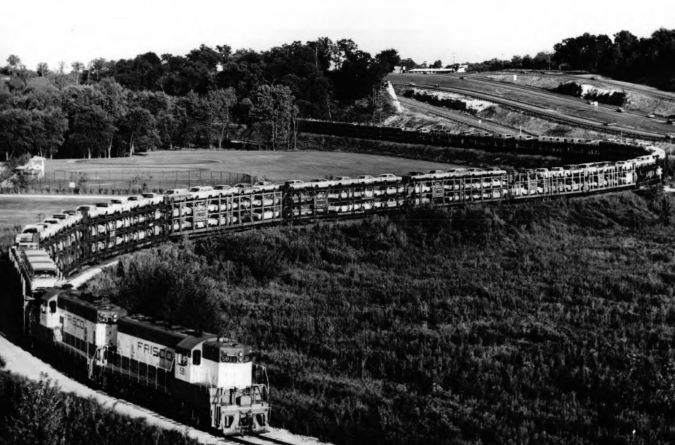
column 206, row 376
column 74, row 238
column 215, row 376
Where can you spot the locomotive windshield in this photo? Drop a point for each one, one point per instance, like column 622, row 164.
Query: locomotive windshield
column 226, row 357
column 107, row 317
column 44, row 273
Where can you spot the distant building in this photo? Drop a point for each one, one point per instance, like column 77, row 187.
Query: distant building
column 34, row 168
column 431, row 70
column 462, row 68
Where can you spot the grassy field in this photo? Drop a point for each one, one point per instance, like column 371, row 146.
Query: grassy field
column 22, row 209
column 275, row 166
column 19, row 210
column 643, row 99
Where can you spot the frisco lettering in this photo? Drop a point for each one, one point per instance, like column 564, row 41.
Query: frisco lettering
column 156, row 351
column 75, row 321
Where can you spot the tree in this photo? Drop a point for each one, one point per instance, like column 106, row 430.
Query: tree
column 219, row 104
column 138, row 131
column 42, row 69
column 77, row 67
column 16, row 132
column 437, row 64
column 273, row 108
column 408, row 64
column 90, row 130
column 34, row 420
column 114, row 99
column 192, row 116
column 14, row 63
column 97, row 68
column 39, row 94
column 161, row 106
column 516, row 62
column 388, row 60
column 542, row 60
column 49, row 125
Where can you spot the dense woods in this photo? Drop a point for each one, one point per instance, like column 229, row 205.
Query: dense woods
column 114, row 108
column 549, row 322
column 38, row 413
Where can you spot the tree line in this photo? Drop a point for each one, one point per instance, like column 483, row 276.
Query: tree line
column 623, row 56
column 115, row 108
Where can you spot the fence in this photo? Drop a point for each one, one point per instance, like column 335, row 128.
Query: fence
column 121, row 181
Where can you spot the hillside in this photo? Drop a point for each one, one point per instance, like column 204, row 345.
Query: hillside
column 550, row 322
column 526, row 103
column 641, row 98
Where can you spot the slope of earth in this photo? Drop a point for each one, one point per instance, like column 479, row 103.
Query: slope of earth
column 540, row 102
column 642, row 99
column 499, row 120
column 474, row 122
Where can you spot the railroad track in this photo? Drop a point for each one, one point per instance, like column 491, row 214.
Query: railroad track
column 485, row 125
column 546, row 113
column 258, row 439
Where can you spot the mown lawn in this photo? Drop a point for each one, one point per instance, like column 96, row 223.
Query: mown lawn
column 273, row 165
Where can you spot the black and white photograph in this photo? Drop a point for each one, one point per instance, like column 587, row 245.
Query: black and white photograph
column 342, row 222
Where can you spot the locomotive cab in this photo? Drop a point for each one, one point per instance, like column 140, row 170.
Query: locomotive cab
column 49, row 311
column 214, row 362
column 88, row 327
column 238, row 405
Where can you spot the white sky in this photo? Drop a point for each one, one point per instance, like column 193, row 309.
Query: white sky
column 468, row 30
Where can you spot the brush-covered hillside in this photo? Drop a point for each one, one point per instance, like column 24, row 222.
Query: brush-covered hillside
column 550, row 322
